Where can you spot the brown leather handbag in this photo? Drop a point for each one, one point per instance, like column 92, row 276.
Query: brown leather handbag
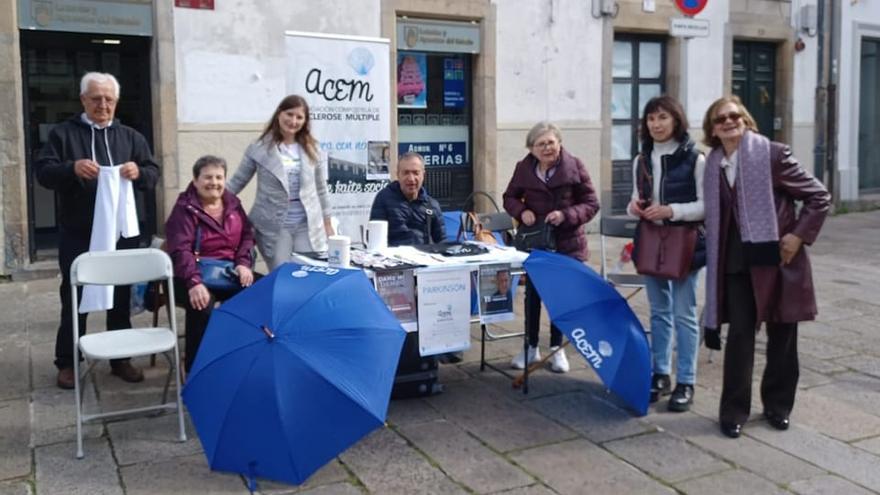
column 664, row 251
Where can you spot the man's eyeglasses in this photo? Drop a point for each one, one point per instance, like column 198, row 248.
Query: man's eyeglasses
column 545, row 144
column 733, row 116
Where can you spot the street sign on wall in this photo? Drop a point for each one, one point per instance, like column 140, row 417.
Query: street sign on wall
column 691, row 7
column 685, row 27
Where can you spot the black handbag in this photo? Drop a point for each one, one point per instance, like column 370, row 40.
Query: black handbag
column 216, row 274
column 539, row 235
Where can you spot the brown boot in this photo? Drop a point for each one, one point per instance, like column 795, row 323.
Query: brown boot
column 127, row 372
column 65, row 379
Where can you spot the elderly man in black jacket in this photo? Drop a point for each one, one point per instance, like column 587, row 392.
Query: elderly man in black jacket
column 69, row 165
column 413, row 216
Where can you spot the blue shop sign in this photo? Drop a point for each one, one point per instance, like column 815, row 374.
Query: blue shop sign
column 443, row 154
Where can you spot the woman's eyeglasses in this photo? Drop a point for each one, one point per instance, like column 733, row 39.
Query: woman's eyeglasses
column 733, row 116
column 546, row 144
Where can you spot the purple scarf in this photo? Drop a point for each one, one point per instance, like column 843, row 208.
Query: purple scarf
column 756, row 209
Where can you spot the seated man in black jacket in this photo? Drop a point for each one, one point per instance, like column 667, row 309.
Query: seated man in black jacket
column 413, row 216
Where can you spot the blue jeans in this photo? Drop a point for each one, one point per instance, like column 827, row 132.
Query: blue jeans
column 674, row 303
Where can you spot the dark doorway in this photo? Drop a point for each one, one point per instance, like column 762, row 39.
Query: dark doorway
column 869, row 116
column 52, row 65
column 754, row 81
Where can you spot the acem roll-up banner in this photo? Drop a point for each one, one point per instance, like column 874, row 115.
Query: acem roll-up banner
column 345, row 80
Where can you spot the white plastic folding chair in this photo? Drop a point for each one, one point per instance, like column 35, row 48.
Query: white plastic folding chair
column 624, row 228
column 125, row 267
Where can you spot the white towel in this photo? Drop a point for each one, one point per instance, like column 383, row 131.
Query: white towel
column 115, row 216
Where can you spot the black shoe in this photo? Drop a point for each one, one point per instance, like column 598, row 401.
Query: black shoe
column 451, row 357
column 682, row 397
column 732, row 430
column 660, row 385
column 777, row 421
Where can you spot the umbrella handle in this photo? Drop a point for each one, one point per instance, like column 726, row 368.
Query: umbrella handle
column 518, row 381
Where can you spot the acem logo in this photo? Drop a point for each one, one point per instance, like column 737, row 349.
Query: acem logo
column 304, row 271
column 586, row 349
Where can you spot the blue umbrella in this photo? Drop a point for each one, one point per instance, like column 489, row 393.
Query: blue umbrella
column 292, row 371
column 598, row 322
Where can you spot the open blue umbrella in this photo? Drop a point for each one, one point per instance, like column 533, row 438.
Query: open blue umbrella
column 598, row 322
column 292, row 371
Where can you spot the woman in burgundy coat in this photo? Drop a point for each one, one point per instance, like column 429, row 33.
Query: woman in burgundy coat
column 206, row 209
column 757, row 265
column 550, row 185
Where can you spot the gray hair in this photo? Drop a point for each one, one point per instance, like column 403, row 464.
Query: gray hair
column 208, row 161
column 409, row 155
column 539, row 130
column 98, row 78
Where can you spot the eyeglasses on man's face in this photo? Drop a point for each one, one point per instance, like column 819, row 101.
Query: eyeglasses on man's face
column 733, row 116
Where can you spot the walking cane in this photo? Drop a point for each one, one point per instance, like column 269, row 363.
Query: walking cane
column 518, row 381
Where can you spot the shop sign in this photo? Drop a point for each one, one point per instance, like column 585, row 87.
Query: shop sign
column 195, row 4
column 444, row 154
column 124, row 17
column 685, row 27
column 453, row 82
column 438, row 36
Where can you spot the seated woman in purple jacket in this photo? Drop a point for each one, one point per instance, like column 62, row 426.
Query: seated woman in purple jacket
column 206, row 208
column 552, row 185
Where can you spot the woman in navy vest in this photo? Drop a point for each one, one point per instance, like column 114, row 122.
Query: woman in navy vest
column 668, row 190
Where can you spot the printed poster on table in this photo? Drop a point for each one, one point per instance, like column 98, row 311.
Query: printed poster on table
column 412, row 80
column 345, row 80
column 397, row 289
column 444, row 309
column 496, row 293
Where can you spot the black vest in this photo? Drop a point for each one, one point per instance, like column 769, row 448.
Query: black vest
column 677, row 185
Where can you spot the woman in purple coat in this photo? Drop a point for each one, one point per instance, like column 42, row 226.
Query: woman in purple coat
column 551, row 185
column 206, row 209
column 757, row 269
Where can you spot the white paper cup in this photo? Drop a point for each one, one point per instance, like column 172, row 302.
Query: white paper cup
column 339, row 251
column 377, row 235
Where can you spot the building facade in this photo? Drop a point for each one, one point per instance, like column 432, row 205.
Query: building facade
column 203, row 76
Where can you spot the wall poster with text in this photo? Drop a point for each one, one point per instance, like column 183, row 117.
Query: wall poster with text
column 345, row 81
column 412, row 80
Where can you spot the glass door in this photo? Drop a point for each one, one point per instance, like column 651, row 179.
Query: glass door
column 869, row 116
column 639, row 74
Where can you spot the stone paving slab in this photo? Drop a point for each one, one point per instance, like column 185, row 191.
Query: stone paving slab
column 827, row 453
column 15, row 488
column 836, row 418
column 745, row 452
column 179, row 476
column 40, row 332
column 405, row 412
column 596, row 419
column 43, row 372
column 464, row 458
column 871, row 445
column 503, row 424
column 651, row 453
column 152, row 439
column 577, row 467
column 385, row 463
column 53, row 416
column 333, row 475
column 334, row 489
column 867, row 364
column 15, row 460
column 827, row 485
column 59, row 471
column 730, row 483
column 14, row 368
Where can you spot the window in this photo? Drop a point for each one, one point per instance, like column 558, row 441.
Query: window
column 638, row 74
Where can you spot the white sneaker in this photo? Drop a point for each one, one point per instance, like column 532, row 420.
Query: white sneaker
column 558, row 361
column 519, row 362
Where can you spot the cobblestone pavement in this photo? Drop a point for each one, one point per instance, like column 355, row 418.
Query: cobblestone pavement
column 567, row 436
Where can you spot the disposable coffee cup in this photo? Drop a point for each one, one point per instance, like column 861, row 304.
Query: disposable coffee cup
column 377, row 235
column 339, row 251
